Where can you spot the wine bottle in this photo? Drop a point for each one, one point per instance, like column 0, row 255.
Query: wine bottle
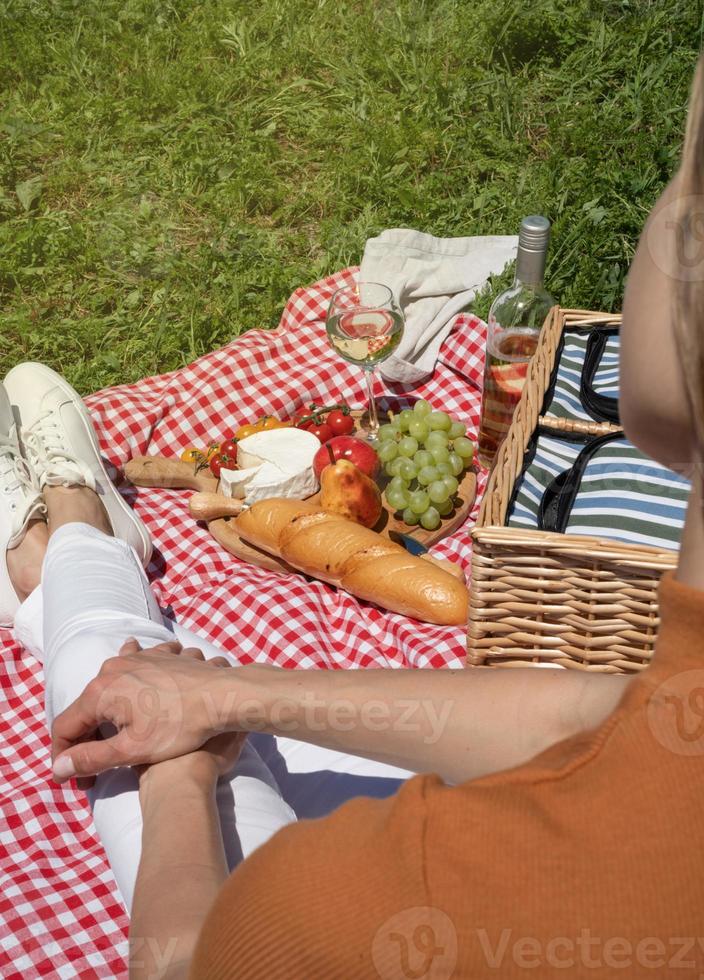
column 515, row 320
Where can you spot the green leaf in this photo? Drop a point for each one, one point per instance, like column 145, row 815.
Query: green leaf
column 29, row 191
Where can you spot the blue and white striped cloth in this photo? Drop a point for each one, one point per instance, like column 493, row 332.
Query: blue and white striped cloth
column 566, row 402
column 623, row 495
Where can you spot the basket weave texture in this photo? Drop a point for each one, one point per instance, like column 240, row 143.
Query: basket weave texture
column 586, row 603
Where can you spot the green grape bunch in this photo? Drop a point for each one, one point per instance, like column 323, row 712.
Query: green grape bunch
column 425, row 453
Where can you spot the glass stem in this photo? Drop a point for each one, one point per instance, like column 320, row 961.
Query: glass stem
column 373, row 417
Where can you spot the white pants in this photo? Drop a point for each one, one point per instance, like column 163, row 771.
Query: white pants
column 93, row 596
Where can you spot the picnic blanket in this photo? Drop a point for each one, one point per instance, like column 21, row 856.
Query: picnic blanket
column 60, row 915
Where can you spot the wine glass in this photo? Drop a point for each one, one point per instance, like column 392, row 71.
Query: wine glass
column 364, row 326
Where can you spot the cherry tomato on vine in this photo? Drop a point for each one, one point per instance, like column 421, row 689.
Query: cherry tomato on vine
column 221, row 462
column 229, row 448
column 320, row 430
column 192, row 455
column 340, row 424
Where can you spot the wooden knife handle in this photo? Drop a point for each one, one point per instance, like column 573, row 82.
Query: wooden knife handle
column 447, row 565
column 171, row 474
column 212, row 506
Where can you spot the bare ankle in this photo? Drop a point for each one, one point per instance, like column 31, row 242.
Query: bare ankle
column 24, row 563
column 70, row 505
column 25, row 577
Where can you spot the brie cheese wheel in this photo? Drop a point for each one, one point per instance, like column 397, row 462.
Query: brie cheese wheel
column 292, row 450
column 233, row 483
column 274, row 463
column 271, row 481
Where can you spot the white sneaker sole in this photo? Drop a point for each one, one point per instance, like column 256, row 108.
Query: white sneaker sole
column 117, row 508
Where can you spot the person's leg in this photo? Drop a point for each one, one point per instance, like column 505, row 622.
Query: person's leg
column 96, row 595
column 314, row 781
column 24, row 562
column 23, row 533
column 93, row 596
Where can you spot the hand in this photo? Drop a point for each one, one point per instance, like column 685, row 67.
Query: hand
column 157, row 706
column 217, row 757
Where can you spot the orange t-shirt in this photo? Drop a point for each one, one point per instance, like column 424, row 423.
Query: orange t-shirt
column 587, row 861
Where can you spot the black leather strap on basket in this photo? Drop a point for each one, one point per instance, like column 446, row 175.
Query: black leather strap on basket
column 560, row 494
column 550, row 390
column 602, row 408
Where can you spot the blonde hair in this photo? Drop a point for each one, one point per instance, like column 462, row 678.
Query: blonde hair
column 689, row 292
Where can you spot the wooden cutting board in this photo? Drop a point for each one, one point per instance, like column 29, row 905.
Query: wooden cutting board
column 160, row 471
column 173, row 474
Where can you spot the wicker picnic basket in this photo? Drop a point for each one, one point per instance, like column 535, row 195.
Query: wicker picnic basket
column 539, row 597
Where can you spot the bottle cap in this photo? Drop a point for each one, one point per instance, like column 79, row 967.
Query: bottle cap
column 534, row 234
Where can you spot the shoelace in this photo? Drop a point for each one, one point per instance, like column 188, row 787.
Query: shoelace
column 50, row 457
column 14, row 467
column 15, row 475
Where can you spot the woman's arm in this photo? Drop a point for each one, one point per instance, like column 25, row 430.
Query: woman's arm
column 460, row 724
column 182, row 868
column 183, row 864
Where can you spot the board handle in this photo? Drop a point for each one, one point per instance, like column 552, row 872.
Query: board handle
column 169, row 474
column 446, row 565
column 212, row 506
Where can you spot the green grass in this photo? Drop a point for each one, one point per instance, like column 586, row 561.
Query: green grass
column 170, row 171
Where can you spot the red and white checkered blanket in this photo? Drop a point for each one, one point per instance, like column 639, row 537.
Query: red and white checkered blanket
column 60, row 914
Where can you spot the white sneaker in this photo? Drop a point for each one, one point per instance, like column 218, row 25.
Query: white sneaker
column 62, row 448
column 20, row 502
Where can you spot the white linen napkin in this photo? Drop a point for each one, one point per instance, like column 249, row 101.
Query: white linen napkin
column 432, row 280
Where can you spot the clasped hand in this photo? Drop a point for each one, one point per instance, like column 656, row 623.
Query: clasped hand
column 145, row 706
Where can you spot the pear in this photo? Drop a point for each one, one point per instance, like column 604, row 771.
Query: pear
column 346, row 491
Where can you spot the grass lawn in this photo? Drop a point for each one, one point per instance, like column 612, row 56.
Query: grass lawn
column 171, row 170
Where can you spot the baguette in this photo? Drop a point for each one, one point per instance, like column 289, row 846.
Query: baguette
column 263, row 526
column 353, row 558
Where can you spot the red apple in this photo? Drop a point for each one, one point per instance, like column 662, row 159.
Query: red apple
column 347, row 447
